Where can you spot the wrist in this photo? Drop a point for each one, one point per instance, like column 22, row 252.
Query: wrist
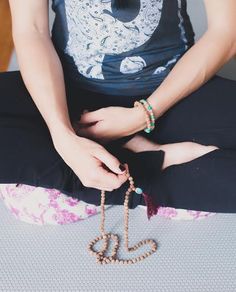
column 60, row 131
column 154, row 106
column 63, row 143
column 140, row 119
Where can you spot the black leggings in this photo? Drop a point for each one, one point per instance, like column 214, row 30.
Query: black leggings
column 207, row 116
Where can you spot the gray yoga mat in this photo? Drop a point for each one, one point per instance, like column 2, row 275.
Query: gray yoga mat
column 192, row 255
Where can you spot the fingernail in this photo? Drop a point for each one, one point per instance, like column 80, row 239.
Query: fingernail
column 122, row 168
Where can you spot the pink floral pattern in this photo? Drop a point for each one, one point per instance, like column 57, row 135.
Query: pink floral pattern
column 38, row 205
column 183, row 214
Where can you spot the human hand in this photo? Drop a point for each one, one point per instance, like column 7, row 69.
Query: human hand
column 91, row 162
column 110, row 123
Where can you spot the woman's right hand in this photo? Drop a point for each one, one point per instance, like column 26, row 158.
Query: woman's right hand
column 91, row 162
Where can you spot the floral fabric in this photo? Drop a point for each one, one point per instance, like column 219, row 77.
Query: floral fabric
column 38, row 205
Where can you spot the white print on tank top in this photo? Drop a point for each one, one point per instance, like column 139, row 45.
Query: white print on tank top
column 183, row 37
column 181, row 26
column 94, row 33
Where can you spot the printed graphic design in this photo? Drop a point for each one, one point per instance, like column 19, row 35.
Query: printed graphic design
column 96, row 31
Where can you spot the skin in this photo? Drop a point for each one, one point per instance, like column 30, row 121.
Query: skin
column 43, row 76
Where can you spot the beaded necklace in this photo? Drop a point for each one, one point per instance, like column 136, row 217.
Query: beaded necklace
column 100, row 255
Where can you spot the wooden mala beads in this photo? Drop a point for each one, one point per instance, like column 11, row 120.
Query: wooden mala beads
column 101, row 258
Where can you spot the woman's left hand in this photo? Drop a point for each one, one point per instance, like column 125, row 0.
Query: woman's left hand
column 110, row 123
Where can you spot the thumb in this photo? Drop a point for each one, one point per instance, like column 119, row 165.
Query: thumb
column 111, row 162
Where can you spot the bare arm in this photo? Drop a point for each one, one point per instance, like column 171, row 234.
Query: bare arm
column 42, row 73
column 203, row 59
column 39, row 63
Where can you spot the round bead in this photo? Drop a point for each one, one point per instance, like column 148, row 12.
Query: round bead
column 138, row 191
column 100, row 257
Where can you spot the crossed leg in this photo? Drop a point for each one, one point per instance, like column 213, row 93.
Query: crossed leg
column 198, row 137
column 205, row 183
column 175, row 153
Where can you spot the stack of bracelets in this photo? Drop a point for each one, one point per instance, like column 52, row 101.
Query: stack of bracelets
column 150, row 118
column 101, row 258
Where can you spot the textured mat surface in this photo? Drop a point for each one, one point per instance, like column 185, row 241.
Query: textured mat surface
column 192, row 255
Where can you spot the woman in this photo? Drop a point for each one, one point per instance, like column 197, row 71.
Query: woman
column 76, row 123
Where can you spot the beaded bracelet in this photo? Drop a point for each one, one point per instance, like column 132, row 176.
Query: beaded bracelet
column 148, row 121
column 150, row 111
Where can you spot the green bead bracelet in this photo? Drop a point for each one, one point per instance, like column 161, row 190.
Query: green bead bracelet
column 151, row 114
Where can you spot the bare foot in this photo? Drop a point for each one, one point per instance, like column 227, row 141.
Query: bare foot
column 175, row 153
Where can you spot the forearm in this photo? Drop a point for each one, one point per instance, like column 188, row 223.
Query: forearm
column 42, row 73
column 195, row 67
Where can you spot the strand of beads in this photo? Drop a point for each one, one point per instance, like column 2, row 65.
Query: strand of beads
column 147, row 117
column 150, row 118
column 100, row 255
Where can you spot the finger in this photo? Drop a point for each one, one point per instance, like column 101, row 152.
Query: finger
column 90, row 117
column 123, row 177
column 110, row 180
column 110, row 161
column 103, row 187
column 87, row 131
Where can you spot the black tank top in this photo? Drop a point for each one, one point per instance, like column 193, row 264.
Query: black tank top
column 120, row 51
